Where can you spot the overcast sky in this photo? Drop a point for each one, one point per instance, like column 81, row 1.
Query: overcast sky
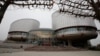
column 42, row 15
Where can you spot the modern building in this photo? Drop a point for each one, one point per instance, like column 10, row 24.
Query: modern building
column 67, row 31
column 73, row 31
column 19, row 30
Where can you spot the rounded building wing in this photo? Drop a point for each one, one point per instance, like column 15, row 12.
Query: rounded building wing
column 19, row 30
column 68, row 27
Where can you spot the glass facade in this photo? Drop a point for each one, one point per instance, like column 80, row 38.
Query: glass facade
column 18, row 36
column 43, row 37
column 41, row 34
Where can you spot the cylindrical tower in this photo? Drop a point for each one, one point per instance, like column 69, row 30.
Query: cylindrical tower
column 44, row 36
column 20, row 28
column 71, row 29
column 68, row 27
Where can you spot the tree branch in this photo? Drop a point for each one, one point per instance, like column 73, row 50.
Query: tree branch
column 3, row 9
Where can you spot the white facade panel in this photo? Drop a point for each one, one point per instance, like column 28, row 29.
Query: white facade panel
column 24, row 25
column 61, row 20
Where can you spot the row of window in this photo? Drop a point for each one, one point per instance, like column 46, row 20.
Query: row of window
column 18, row 33
column 77, row 29
column 42, row 32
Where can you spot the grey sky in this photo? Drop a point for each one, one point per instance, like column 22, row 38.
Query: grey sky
column 42, row 15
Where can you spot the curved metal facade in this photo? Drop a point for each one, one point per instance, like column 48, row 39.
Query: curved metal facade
column 68, row 27
column 61, row 20
column 25, row 25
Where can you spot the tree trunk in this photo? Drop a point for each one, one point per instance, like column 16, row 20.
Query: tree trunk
column 3, row 9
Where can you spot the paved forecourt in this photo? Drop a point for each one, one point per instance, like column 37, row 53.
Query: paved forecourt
column 48, row 53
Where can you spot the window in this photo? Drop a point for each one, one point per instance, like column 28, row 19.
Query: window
column 76, row 29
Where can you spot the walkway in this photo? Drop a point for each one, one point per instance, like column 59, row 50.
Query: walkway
column 66, row 53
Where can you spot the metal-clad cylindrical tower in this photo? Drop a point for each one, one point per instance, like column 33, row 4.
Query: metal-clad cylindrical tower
column 20, row 28
column 70, row 28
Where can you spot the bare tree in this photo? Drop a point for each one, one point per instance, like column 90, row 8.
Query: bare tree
column 33, row 3
column 84, row 8
column 96, row 8
column 3, row 6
